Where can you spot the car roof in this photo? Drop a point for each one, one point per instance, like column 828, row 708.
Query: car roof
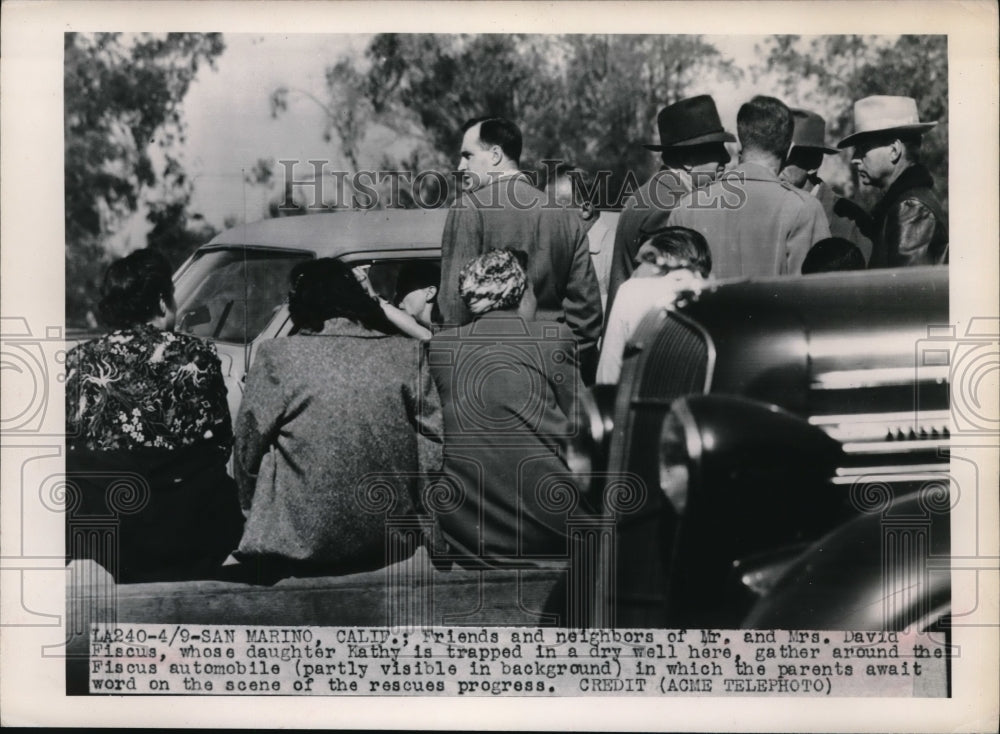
column 342, row 232
column 822, row 299
column 803, row 342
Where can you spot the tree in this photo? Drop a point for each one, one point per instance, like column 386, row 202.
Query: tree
column 591, row 100
column 829, row 73
column 122, row 98
column 614, row 87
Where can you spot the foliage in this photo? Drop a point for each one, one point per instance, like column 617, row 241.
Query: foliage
column 614, row 87
column 590, row 100
column 122, row 97
column 829, row 73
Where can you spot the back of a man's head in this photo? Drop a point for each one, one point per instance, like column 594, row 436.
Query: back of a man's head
column 565, row 184
column 765, row 125
column 498, row 131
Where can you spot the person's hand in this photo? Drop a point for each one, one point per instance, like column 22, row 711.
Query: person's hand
column 681, row 287
column 361, row 273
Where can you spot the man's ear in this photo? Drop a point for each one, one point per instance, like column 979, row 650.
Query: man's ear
column 496, row 154
column 896, row 150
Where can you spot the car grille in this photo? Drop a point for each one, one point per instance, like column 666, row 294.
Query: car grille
column 679, row 361
column 676, row 360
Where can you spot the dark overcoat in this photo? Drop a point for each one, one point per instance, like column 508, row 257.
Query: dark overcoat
column 509, row 391
column 646, row 210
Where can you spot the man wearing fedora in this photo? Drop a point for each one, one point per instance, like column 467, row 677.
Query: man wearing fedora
column 692, row 148
column 755, row 223
column 846, row 219
column 908, row 224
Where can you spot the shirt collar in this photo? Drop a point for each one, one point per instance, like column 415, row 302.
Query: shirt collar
column 674, row 180
column 494, row 178
column 344, row 327
column 755, row 172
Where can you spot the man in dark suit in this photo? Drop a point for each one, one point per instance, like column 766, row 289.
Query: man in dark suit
column 500, row 208
column 692, row 148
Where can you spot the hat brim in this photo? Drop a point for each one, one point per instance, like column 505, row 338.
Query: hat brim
column 917, row 127
column 718, row 137
column 813, row 147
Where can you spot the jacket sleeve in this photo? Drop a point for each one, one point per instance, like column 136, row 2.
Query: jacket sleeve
column 808, row 228
column 625, row 248
column 564, row 378
column 462, row 240
column 910, row 228
column 221, row 424
column 582, row 303
column 862, row 220
column 613, row 347
column 425, row 415
column 853, row 223
column 257, row 422
column 74, row 394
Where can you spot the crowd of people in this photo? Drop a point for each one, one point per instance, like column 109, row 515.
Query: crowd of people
column 453, row 404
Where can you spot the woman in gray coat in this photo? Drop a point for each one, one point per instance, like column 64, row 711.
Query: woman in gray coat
column 338, row 428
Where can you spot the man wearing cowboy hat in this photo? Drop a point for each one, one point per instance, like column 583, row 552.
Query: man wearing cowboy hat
column 845, row 218
column 908, row 224
column 692, row 148
column 755, row 223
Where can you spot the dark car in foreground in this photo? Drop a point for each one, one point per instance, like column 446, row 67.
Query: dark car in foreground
column 776, row 456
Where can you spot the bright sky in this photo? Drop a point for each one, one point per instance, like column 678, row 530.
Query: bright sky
column 229, row 123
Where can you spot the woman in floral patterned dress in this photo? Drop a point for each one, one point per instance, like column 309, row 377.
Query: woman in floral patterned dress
column 148, row 437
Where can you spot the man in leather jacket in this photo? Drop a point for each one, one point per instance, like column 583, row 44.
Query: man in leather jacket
column 908, row 225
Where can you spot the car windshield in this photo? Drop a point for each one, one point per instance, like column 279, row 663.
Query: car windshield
column 230, row 295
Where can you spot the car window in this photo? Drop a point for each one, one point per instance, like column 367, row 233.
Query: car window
column 230, row 295
column 382, row 275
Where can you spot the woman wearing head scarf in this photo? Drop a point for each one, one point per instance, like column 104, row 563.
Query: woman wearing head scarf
column 508, row 388
column 338, row 425
column 148, row 436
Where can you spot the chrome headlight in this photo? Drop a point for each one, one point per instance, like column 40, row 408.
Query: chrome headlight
column 736, row 450
column 675, row 455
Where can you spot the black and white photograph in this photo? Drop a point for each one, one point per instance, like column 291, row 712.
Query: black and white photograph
column 596, row 353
